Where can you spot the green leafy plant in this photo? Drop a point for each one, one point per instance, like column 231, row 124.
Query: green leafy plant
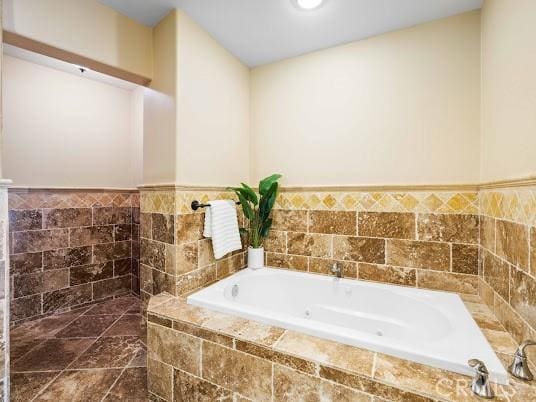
column 257, row 208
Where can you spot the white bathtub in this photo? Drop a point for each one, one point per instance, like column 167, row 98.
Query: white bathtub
column 428, row 327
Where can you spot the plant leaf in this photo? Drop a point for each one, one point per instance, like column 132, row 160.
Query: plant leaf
column 268, row 201
column 267, row 224
column 248, row 211
column 266, row 183
column 248, row 192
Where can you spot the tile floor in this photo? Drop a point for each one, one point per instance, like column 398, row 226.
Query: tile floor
column 97, row 353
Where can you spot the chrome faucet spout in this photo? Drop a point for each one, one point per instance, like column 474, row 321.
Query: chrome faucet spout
column 337, row 270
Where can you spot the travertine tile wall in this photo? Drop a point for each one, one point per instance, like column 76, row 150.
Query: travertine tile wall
column 431, row 239
column 70, row 248
column 175, row 257
column 424, row 239
column 508, row 249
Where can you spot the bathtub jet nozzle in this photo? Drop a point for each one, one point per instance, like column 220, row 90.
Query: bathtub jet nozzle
column 234, row 290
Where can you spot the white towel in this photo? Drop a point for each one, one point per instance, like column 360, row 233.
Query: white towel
column 221, row 224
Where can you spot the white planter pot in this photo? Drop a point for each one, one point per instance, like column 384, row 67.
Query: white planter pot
column 255, row 257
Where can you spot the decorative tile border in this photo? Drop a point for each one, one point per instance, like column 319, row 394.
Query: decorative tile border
column 161, row 202
column 515, row 204
column 177, row 201
column 183, row 199
column 424, row 202
column 438, row 202
column 75, row 198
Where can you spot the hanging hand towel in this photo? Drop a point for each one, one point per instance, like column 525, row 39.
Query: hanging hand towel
column 221, row 224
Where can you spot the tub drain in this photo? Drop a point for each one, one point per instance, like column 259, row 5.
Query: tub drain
column 379, row 333
column 308, row 313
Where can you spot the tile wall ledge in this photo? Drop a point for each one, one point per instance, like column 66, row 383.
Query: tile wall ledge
column 179, row 187
column 384, row 188
column 363, row 188
column 525, row 181
column 29, row 189
column 505, row 183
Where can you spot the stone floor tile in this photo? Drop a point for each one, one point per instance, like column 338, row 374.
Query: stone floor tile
column 19, row 347
column 87, row 326
column 80, row 386
column 131, row 386
column 109, row 352
column 127, row 325
column 140, row 360
column 45, row 327
column 114, row 307
column 25, row 386
column 53, row 354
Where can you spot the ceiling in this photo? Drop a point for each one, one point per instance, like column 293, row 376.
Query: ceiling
column 263, row 31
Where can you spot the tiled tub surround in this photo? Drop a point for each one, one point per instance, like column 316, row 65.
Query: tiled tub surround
column 198, row 354
column 71, row 247
column 508, row 249
column 175, row 257
column 427, row 250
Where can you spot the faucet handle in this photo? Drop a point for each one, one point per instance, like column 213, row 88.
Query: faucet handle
column 478, row 365
column 480, row 384
column 334, row 268
column 520, row 366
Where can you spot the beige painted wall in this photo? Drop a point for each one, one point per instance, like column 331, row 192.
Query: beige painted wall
column 400, row 108
column 160, row 107
column 85, row 27
column 62, row 130
column 213, row 110
column 508, row 89
column 197, row 109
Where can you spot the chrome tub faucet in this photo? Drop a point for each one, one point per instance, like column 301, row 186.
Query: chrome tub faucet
column 520, row 366
column 337, row 270
column 480, row 384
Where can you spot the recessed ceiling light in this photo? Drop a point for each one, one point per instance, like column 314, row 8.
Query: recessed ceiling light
column 308, row 4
